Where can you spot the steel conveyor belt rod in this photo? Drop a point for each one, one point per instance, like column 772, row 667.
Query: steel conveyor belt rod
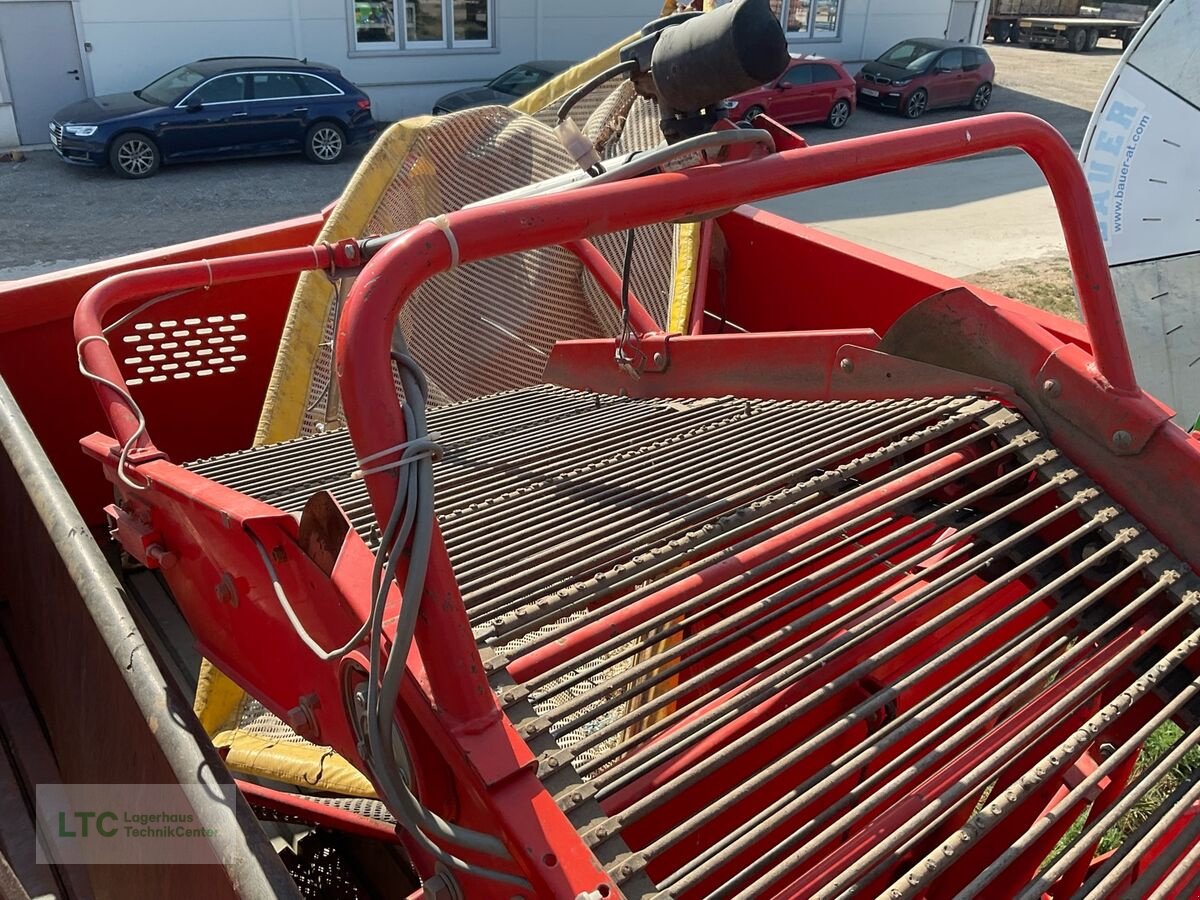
column 766, row 611
column 530, row 665
column 1041, row 649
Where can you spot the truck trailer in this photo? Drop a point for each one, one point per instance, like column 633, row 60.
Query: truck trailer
column 1063, row 24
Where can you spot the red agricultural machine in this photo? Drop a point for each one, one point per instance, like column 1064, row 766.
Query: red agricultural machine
column 861, row 583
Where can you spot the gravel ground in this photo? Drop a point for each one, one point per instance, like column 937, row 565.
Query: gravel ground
column 65, row 215
column 1044, row 283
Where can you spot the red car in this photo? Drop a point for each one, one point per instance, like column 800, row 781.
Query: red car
column 924, row 73
column 811, row 89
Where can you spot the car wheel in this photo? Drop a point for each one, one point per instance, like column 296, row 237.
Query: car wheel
column 1127, row 37
column 325, row 143
column 134, row 156
column 839, row 114
column 983, row 96
column 752, row 112
column 1076, row 40
column 917, row 103
column 1093, row 38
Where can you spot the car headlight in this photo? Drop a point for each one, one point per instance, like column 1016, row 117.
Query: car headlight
column 902, row 83
column 728, row 104
column 80, row 130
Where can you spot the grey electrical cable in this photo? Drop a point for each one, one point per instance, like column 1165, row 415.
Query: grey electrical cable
column 410, row 533
column 660, row 156
column 127, row 447
column 414, row 484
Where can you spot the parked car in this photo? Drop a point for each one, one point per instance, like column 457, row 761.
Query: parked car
column 811, row 89
column 216, row 109
column 503, row 89
column 925, row 73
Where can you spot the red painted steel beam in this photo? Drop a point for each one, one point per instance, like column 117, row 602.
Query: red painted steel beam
column 610, row 282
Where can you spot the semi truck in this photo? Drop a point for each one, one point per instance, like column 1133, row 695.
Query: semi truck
column 1063, row 24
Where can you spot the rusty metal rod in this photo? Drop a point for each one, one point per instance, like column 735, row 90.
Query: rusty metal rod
column 755, row 579
column 1097, row 827
column 869, row 864
column 531, row 579
column 1004, row 801
column 663, row 792
column 546, row 658
column 875, row 744
column 758, row 670
column 765, row 611
column 672, row 622
column 1180, row 864
column 1133, row 851
column 779, row 459
column 1174, row 862
column 862, row 801
column 549, row 661
column 869, row 627
column 624, row 464
column 900, row 567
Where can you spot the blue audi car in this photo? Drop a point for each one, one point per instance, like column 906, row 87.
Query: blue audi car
column 217, row 109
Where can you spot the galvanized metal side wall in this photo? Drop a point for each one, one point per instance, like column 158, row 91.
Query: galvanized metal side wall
column 110, row 714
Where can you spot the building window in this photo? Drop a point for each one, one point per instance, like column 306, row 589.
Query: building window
column 809, row 19
column 422, row 24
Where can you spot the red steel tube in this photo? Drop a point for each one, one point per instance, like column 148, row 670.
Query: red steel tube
column 143, row 284
column 610, row 282
column 517, row 225
column 304, row 807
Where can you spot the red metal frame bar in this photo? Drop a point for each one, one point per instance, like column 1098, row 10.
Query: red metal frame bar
column 363, row 364
column 610, row 282
column 144, row 284
column 308, row 809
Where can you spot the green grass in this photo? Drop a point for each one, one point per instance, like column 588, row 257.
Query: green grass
column 1044, row 283
column 1157, row 745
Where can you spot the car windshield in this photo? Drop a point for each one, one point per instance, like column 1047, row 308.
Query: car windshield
column 168, row 89
column 910, row 55
column 518, row 81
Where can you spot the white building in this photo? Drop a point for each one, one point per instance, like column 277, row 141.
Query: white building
column 404, row 53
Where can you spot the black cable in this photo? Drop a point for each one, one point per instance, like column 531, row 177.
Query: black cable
column 624, row 359
column 591, row 84
column 626, row 273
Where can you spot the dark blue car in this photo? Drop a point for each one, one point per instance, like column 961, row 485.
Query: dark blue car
column 217, row 109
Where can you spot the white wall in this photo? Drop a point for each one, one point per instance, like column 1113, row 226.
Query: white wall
column 871, row 26
column 8, row 122
column 133, row 41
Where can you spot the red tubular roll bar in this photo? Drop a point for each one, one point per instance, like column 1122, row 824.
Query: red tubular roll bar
column 363, row 364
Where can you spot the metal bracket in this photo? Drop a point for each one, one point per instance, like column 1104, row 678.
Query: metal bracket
column 551, row 761
column 600, row 832
column 138, row 538
column 575, row 795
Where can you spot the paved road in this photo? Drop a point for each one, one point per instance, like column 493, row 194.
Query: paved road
column 974, row 215
column 955, row 218
column 56, row 215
